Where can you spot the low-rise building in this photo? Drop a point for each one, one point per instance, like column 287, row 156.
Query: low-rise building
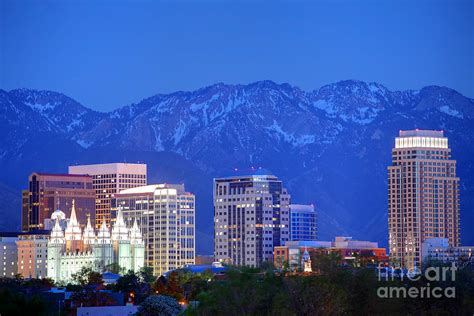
column 438, row 249
column 32, row 250
column 9, row 254
column 291, row 255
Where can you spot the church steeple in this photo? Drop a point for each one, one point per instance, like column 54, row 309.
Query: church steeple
column 135, row 234
column 103, row 236
column 119, row 231
column 57, row 235
column 73, row 233
column 73, row 229
column 89, row 235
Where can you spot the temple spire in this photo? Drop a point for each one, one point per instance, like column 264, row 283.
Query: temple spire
column 73, row 230
column 119, row 230
column 73, row 219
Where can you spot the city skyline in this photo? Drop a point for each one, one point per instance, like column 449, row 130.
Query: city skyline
column 236, row 157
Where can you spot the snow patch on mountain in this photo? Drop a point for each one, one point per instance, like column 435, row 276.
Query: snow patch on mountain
column 84, row 144
column 296, row 141
column 446, row 109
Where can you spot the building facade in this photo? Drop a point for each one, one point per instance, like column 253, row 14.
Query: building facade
column 438, row 249
column 166, row 213
column 46, row 192
column 9, row 254
column 303, row 222
column 423, row 195
column 32, row 250
column 108, row 179
column 292, row 254
column 251, row 217
column 73, row 248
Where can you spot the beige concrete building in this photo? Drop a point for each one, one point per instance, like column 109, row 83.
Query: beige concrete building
column 423, row 195
column 8, row 254
column 251, row 217
column 166, row 215
column 33, row 254
column 108, row 179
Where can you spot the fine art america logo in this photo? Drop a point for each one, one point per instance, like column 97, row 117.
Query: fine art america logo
column 419, row 285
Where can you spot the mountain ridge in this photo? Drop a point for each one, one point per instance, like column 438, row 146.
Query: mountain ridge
column 330, row 145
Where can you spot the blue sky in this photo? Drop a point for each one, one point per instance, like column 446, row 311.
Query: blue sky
column 107, row 54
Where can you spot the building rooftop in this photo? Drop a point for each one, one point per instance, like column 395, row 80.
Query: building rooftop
column 422, row 133
column 62, row 175
column 151, row 188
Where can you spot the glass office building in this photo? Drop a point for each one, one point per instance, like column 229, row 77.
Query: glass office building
column 302, row 222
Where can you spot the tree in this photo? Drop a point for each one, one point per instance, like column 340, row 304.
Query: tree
column 87, row 277
column 146, row 275
column 159, row 305
column 115, row 268
column 133, row 283
column 170, row 286
column 90, row 297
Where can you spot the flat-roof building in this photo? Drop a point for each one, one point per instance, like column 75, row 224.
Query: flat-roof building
column 50, row 191
column 423, row 195
column 251, row 217
column 109, row 179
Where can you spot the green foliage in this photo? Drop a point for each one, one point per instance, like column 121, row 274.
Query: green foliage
column 159, row 305
column 335, row 289
column 136, row 284
column 88, row 297
column 88, row 277
column 115, row 268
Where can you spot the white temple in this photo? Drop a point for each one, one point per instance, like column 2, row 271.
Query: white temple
column 71, row 248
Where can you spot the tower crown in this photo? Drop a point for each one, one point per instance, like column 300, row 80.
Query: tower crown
column 422, row 139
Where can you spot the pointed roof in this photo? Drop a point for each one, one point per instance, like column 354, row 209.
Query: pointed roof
column 103, row 231
column 57, row 236
column 73, row 220
column 88, row 230
column 135, row 233
column 119, row 230
column 73, row 230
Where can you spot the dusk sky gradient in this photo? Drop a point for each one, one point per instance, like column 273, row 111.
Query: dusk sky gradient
column 108, row 54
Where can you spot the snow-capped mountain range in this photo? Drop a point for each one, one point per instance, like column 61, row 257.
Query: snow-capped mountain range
column 331, row 146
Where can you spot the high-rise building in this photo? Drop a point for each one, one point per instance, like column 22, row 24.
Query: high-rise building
column 302, row 222
column 166, row 214
column 251, row 217
column 32, row 250
column 108, row 179
column 423, row 195
column 8, row 254
column 46, row 192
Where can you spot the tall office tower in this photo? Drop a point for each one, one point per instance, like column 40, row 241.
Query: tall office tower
column 423, row 195
column 302, row 222
column 251, row 217
column 47, row 192
column 108, row 179
column 165, row 213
